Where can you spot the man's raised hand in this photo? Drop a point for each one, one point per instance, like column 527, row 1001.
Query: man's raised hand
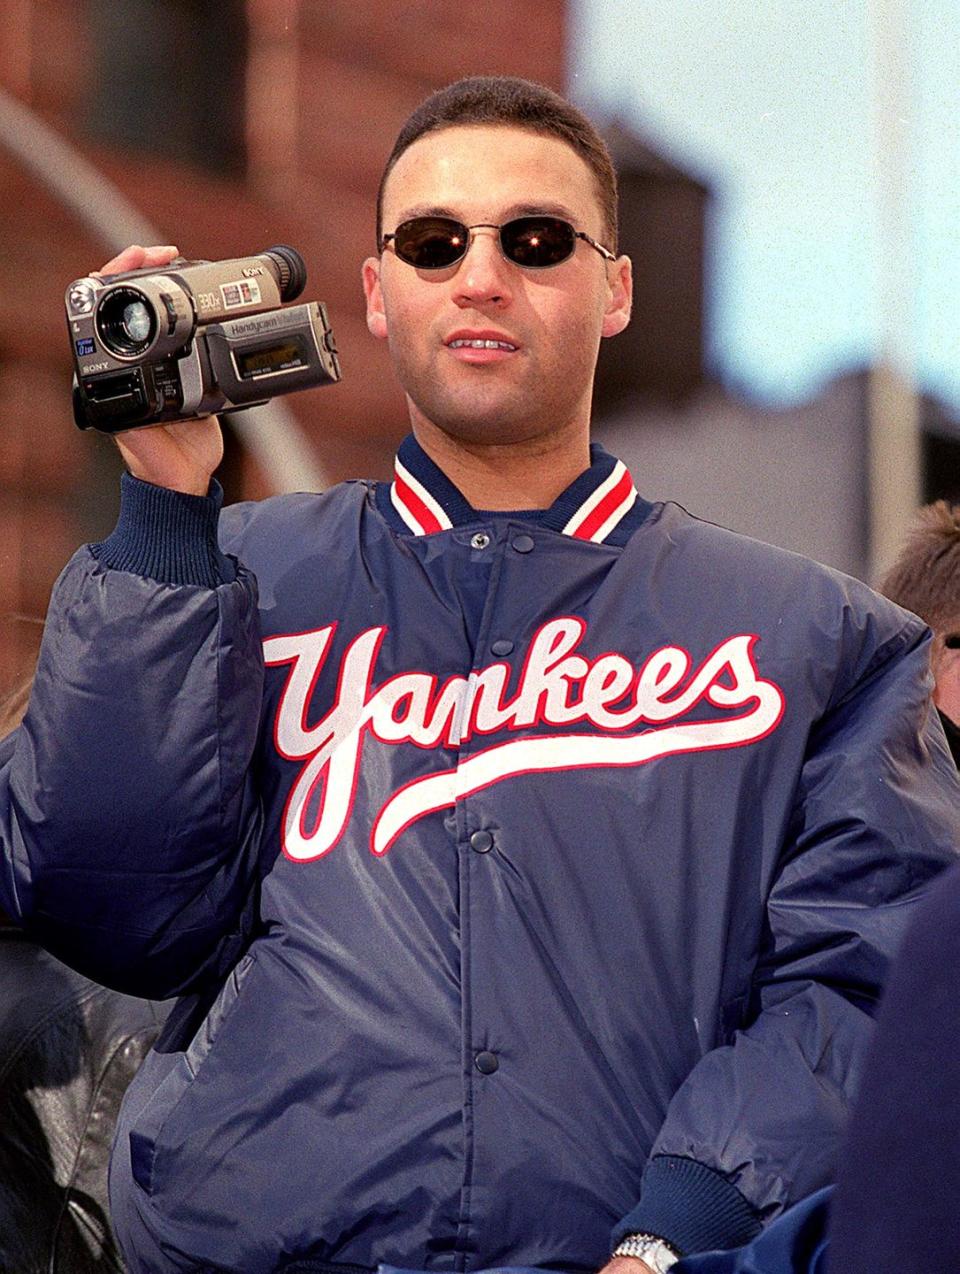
column 182, row 455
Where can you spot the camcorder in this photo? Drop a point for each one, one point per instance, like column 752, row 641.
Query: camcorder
column 194, row 338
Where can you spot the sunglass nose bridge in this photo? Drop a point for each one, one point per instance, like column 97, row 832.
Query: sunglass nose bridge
column 495, row 235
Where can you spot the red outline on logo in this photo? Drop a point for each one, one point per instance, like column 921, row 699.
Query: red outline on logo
column 292, row 659
column 597, row 765
column 566, row 641
column 322, row 773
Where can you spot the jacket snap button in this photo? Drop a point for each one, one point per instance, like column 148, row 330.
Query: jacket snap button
column 486, row 1063
column 480, row 540
column 502, row 647
column 481, row 841
column 523, row 543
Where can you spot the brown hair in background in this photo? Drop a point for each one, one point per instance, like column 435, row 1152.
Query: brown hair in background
column 926, row 576
column 14, row 700
column 13, row 706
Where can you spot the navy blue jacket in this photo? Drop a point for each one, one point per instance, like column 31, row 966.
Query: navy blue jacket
column 896, row 1206
column 533, row 876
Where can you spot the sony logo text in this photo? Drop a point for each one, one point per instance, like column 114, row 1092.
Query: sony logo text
column 557, row 686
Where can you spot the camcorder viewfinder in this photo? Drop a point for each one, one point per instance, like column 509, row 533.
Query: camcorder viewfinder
column 194, row 338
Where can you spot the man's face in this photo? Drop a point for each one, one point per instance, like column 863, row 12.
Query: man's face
column 551, row 320
column 946, row 672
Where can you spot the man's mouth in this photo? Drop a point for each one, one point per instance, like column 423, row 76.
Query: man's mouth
column 461, row 343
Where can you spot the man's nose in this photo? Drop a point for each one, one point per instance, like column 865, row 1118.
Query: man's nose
column 484, row 274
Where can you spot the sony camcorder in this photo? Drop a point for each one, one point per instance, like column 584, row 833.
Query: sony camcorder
column 194, row 338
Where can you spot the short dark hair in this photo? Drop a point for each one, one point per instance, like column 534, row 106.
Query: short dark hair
column 500, row 99
column 926, row 576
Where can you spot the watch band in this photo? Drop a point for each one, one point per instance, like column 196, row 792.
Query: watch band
column 657, row 1253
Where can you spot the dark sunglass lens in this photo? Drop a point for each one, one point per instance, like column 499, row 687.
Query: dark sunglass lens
column 538, row 241
column 430, row 243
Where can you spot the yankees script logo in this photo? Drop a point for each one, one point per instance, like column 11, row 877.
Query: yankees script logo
column 557, row 686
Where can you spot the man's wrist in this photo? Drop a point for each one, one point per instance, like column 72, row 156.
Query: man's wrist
column 656, row 1253
column 166, row 535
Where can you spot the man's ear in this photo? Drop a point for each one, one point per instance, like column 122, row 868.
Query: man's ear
column 616, row 313
column 376, row 317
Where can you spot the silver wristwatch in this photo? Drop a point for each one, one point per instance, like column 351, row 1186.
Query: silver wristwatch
column 658, row 1255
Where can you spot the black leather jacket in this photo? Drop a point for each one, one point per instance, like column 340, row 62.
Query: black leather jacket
column 68, row 1049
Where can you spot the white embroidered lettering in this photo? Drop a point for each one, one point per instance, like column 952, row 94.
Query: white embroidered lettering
column 556, row 686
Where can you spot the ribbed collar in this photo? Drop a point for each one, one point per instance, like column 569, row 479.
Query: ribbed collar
column 601, row 505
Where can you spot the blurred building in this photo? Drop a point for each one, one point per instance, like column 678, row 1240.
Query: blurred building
column 795, row 476
column 251, row 122
column 231, row 126
column 798, row 476
column 663, row 210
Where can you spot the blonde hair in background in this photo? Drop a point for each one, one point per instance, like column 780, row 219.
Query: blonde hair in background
column 13, row 704
column 926, row 576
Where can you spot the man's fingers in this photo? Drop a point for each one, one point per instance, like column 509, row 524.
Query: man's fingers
column 160, row 256
column 137, row 258
column 129, row 259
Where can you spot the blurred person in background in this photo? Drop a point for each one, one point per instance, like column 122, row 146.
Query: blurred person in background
column 926, row 579
column 896, row 1207
column 68, row 1050
column 530, row 854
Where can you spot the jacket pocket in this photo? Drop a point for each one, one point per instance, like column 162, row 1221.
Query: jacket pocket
column 145, row 1137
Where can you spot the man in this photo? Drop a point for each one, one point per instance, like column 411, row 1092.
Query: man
column 532, row 853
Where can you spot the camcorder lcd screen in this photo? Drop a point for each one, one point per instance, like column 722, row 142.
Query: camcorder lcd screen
column 265, row 359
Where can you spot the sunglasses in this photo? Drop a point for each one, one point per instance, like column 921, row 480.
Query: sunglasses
column 536, row 243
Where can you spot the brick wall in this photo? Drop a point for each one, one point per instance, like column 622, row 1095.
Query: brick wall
column 331, row 81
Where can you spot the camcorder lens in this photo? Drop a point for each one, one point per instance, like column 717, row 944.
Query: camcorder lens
column 136, row 321
column 126, row 322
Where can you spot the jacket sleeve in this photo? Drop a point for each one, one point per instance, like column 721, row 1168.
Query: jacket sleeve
column 129, row 823
column 756, row 1125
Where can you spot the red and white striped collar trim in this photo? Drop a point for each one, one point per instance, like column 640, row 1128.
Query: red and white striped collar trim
column 603, row 510
column 591, row 508
column 419, row 510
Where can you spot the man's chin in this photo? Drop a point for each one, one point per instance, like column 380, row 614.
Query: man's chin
column 484, row 411
column 484, row 429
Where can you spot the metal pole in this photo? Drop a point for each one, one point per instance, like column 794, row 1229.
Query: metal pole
column 270, row 433
column 273, row 95
column 893, row 408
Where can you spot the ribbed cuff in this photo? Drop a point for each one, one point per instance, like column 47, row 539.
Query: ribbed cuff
column 167, row 536
column 689, row 1206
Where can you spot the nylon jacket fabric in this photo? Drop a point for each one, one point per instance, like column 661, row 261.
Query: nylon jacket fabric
column 512, row 860
column 899, row 1173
